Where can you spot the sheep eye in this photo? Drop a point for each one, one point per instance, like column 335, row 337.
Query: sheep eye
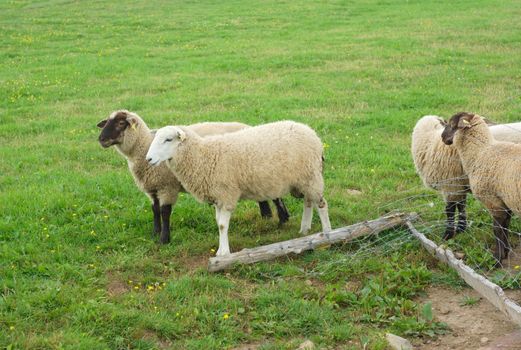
column 169, row 140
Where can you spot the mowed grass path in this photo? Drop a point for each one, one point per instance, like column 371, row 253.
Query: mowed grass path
column 78, row 268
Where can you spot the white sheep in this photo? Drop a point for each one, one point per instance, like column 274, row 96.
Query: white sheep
column 493, row 168
column 132, row 138
column 258, row 163
column 440, row 168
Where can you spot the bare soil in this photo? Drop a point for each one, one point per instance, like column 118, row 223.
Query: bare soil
column 476, row 326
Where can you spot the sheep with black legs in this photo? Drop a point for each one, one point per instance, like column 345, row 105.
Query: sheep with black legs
column 131, row 137
column 258, row 163
column 439, row 165
column 493, row 169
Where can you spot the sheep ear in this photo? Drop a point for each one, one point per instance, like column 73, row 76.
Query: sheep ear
column 102, row 123
column 464, row 122
column 181, row 135
column 132, row 121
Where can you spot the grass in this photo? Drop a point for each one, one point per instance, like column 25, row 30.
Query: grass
column 77, row 266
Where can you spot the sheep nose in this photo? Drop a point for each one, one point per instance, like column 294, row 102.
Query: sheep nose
column 149, row 159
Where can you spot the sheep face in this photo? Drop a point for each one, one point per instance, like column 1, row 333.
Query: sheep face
column 164, row 145
column 113, row 129
column 460, row 121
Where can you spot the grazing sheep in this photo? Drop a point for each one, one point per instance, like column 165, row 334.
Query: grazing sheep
column 440, row 168
column 132, row 138
column 493, row 168
column 258, row 163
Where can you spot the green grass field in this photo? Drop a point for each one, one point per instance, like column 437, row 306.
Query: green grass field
column 78, row 268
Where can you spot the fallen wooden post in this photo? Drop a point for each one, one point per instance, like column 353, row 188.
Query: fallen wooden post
column 491, row 291
column 301, row 244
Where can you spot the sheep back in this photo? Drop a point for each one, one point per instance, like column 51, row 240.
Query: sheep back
column 437, row 164
column 257, row 163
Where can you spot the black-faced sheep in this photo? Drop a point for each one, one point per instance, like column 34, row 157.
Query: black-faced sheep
column 132, row 138
column 439, row 165
column 493, row 168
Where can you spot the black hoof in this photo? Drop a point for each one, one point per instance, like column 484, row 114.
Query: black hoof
column 283, row 219
column 164, row 239
column 497, row 265
column 461, row 228
column 448, row 235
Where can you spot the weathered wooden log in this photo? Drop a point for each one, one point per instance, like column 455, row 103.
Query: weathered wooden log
column 491, row 291
column 301, row 244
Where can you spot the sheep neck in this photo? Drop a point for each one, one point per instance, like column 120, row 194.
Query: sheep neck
column 193, row 165
column 471, row 144
column 136, row 152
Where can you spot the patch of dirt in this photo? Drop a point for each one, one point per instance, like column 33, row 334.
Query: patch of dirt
column 152, row 336
column 472, row 326
column 515, row 295
column 192, row 263
column 353, row 192
column 115, row 286
column 248, row 347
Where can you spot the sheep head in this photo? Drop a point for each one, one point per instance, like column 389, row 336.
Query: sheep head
column 460, row 121
column 113, row 128
column 165, row 143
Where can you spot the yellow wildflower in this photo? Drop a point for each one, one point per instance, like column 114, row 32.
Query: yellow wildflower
column 226, row 316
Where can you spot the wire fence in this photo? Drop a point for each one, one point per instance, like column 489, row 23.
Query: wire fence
column 475, row 245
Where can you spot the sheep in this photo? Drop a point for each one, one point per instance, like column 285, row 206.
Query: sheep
column 493, row 169
column 132, row 138
column 258, row 163
column 440, row 168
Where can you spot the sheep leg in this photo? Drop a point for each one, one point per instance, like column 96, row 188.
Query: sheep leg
column 223, row 221
column 506, row 225
column 282, row 211
column 501, row 221
column 307, row 216
column 462, row 217
column 450, row 210
column 265, row 209
column 324, row 216
column 157, row 216
column 166, row 210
